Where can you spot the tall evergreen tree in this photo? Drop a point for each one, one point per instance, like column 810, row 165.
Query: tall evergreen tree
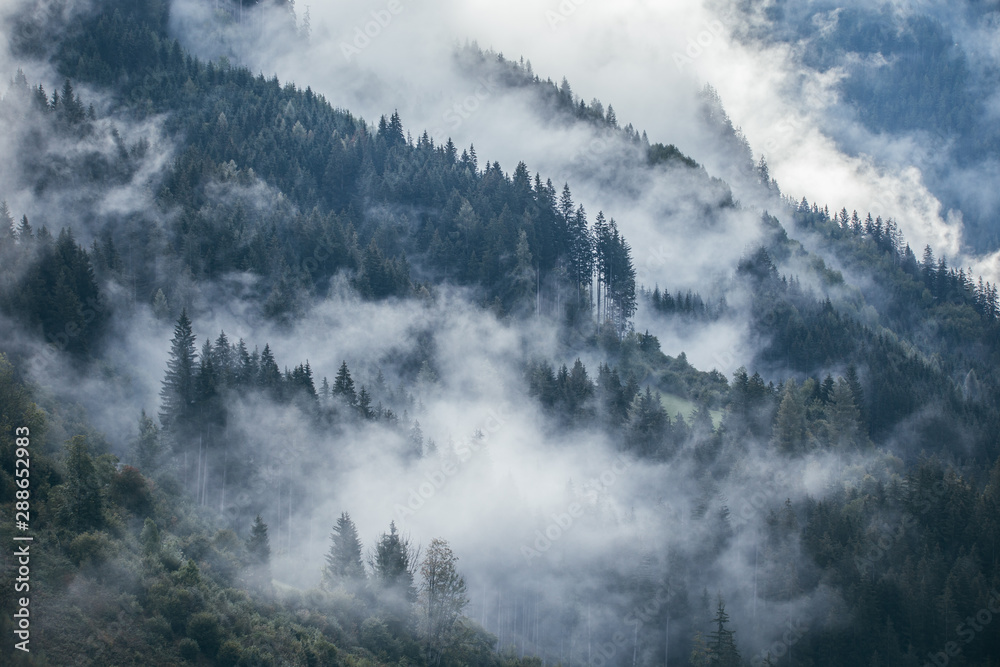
column 344, row 566
column 790, row 423
column 343, row 386
column 147, row 449
column 83, row 507
column 259, row 553
column 393, row 562
column 722, row 640
column 179, row 390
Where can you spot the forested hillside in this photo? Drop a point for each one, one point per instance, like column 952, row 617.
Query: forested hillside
column 443, row 349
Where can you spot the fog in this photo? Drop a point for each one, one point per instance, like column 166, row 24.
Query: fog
column 554, row 526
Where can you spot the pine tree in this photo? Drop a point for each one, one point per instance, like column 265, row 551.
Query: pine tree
column 790, row 423
column 581, row 254
column 763, row 173
column 343, row 386
column 179, row 385
column 392, row 562
column 856, row 391
column 844, row 416
column 24, row 231
column 566, row 204
column 7, row 234
column 245, row 373
column 259, row 553
column 223, row 357
column 84, row 506
column 161, row 310
column 416, row 440
column 343, row 562
column 365, row 404
column 269, row 375
column 146, row 449
column 722, row 640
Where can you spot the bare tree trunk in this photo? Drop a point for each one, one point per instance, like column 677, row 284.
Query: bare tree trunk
column 635, row 643
column 197, row 477
column 225, row 466
column 666, row 651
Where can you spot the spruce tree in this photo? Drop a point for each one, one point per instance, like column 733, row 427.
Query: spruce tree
column 790, row 423
column 343, row 386
column 259, row 553
column 84, row 506
column 269, row 375
column 179, row 385
column 146, row 449
column 722, row 640
column 343, row 562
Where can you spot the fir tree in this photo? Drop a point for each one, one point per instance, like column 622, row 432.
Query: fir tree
column 179, row 390
column 84, row 504
column 722, row 640
column 259, row 553
column 343, row 386
column 343, row 562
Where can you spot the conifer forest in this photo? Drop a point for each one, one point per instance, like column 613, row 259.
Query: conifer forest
column 556, row 333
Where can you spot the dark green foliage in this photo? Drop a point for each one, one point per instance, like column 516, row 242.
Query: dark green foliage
column 393, row 561
column 130, row 490
column 343, row 386
column 344, row 566
column 180, row 385
column 259, row 555
column 82, row 501
column 204, row 629
column 56, row 293
column 188, row 649
column 722, row 642
column 363, row 202
column 147, row 449
column 688, row 304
